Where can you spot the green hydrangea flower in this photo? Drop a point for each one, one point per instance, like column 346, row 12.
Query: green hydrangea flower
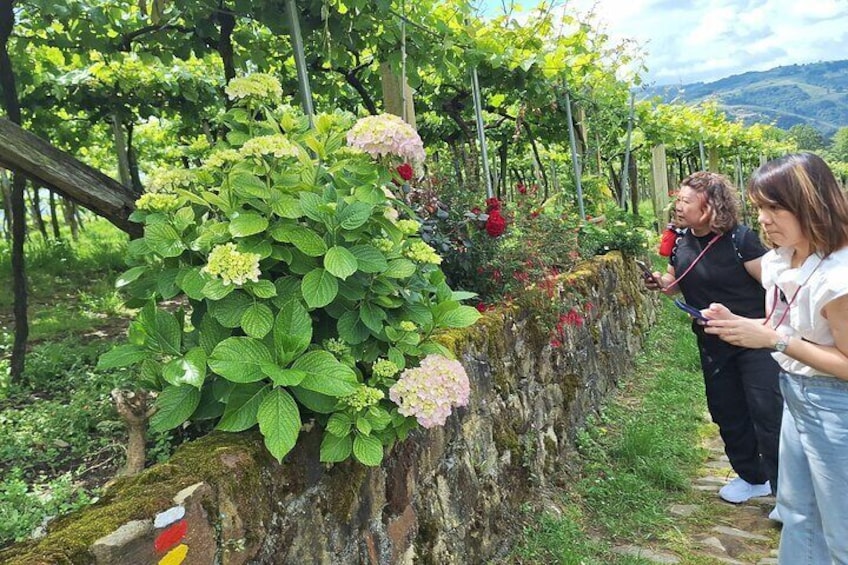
column 420, row 252
column 363, row 397
column 233, row 266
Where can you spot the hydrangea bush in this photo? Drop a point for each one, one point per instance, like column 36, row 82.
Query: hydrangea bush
column 305, row 298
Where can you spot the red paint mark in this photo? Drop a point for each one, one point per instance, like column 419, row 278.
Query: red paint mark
column 171, row 537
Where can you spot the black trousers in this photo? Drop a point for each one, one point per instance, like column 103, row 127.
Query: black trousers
column 744, row 400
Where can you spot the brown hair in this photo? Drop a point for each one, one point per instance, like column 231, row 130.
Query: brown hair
column 804, row 185
column 720, row 195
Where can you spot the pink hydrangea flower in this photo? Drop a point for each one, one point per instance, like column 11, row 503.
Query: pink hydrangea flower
column 429, row 391
column 387, row 134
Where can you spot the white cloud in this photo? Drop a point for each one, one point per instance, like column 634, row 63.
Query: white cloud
column 704, row 40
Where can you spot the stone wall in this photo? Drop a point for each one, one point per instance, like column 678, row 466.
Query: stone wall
column 446, row 495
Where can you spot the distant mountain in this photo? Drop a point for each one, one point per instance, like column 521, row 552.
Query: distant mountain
column 815, row 94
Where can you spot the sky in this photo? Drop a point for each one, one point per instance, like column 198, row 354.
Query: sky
column 687, row 41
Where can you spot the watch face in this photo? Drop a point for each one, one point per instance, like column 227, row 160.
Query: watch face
column 780, row 346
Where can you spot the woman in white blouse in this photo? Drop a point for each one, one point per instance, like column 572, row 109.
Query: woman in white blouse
column 804, row 216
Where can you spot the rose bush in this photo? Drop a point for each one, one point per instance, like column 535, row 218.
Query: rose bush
column 303, row 298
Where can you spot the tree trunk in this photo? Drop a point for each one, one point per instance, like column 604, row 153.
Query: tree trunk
column 70, row 211
column 18, row 211
column 137, row 187
column 121, row 151
column 54, row 220
column 35, row 207
column 26, row 153
column 135, row 409
column 227, row 23
column 5, row 191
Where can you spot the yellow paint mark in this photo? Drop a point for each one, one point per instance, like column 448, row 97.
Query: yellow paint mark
column 175, row 556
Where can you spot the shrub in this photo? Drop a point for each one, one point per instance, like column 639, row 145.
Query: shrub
column 299, row 282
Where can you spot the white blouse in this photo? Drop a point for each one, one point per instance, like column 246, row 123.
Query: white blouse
column 816, row 283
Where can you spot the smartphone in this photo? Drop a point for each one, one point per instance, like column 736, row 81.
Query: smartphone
column 691, row 310
column 646, row 271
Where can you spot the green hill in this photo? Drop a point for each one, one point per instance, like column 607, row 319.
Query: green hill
column 815, row 94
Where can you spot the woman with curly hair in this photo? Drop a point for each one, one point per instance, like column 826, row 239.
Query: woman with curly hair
column 804, row 215
column 717, row 259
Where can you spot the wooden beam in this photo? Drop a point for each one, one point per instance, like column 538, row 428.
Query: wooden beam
column 45, row 165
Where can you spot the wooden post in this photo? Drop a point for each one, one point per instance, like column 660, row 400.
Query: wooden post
column 574, row 157
column 713, row 160
column 397, row 95
column 300, row 62
column 659, row 198
column 481, row 132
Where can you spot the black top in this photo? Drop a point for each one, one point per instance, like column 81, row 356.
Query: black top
column 720, row 276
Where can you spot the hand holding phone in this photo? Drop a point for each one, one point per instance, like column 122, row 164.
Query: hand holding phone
column 691, row 310
column 648, row 274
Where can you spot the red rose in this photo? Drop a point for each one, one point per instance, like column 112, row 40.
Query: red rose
column 476, row 210
column 521, row 188
column 496, row 224
column 493, row 204
column 405, row 171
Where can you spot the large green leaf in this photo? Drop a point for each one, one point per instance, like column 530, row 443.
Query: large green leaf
column 319, row 288
column 230, row 309
column 458, row 317
column 351, row 329
column 306, row 240
column 339, row 424
column 292, row 331
column 164, row 240
column 310, row 204
column 243, row 224
column 168, row 334
column 240, row 359
column 174, row 405
column 369, row 259
column 257, row 320
column 368, row 450
column 315, row 401
column 287, row 206
column 283, row 377
column 340, row 262
column 122, row 356
column 372, row 316
column 400, row 269
column 325, row 374
column 189, row 369
column 249, row 186
column 335, row 449
column 211, row 333
column 215, row 289
column 192, row 282
column 354, row 215
column 130, row 275
column 243, row 407
column 279, row 422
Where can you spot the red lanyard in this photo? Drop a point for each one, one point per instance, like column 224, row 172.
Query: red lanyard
column 715, row 238
column 791, row 300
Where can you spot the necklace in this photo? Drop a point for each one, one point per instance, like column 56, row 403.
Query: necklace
column 791, row 300
column 715, row 238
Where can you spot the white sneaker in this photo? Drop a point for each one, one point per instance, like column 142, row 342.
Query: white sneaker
column 774, row 515
column 739, row 490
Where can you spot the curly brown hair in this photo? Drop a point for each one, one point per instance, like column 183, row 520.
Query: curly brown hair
column 720, row 195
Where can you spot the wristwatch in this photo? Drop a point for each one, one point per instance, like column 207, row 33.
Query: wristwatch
column 781, row 344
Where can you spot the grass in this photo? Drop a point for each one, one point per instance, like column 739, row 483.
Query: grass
column 60, row 437
column 636, row 458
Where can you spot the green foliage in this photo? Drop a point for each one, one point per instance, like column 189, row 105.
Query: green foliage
column 634, row 459
column 297, row 280
column 24, row 508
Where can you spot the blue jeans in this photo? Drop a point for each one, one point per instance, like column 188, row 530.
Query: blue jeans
column 812, row 496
